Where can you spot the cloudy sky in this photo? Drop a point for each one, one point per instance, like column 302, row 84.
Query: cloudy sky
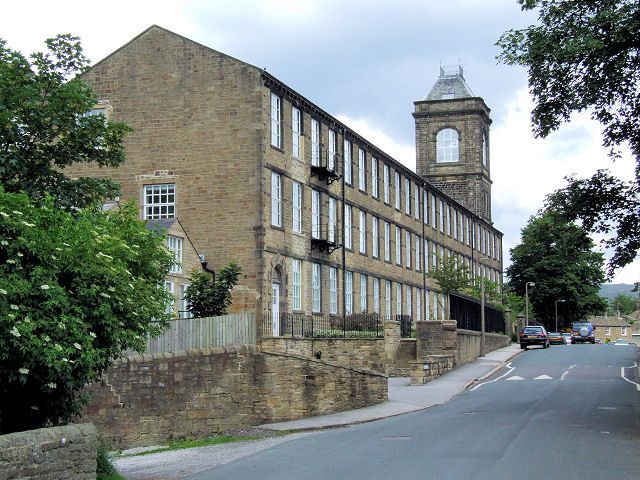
column 365, row 62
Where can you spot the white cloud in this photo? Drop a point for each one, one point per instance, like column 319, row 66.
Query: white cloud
column 525, row 169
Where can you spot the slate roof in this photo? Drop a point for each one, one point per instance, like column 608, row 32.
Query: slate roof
column 609, row 322
column 160, row 224
column 450, row 81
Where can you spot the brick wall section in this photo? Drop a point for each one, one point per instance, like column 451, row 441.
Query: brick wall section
column 153, row 398
column 469, row 345
column 367, row 353
column 58, row 453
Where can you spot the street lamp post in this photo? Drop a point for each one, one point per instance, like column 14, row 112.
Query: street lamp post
column 482, row 319
column 556, row 303
column 526, row 302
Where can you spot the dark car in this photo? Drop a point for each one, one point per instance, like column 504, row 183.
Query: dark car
column 556, row 338
column 534, row 335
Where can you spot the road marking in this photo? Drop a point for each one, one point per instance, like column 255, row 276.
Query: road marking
column 543, row 377
column 511, row 369
column 572, row 366
column 606, row 408
column 515, row 377
column 625, row 378
column 564, row 374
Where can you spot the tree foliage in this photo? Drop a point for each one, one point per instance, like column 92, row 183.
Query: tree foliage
column 450, row 276
column 557, row 256
column 625, row 304
column 583, row 55
column 207, row 297
column 43, row 128
column 75, row 291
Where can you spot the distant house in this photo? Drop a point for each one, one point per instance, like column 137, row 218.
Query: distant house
column 608, row 329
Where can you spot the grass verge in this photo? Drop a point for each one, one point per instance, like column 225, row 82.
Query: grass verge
column 104, row 468
column 182, row 444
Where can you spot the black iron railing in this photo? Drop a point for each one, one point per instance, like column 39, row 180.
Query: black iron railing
column 406, row 325
column 466, row 312
column 301, row 325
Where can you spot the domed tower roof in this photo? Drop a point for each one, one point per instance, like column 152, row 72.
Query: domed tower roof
column 450, row 85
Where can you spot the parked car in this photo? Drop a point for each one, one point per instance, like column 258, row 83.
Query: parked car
column 567, row 338
column 534, row 335
column 556, row 338
column 620, row 341
column 582, row 332
column 599, row 341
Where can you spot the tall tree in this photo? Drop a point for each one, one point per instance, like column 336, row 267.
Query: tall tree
column 558, row 257
column 583, row 56
column 44, row 127
column 625, row 304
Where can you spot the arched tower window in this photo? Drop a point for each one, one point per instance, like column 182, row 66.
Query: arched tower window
column 484, row 149
column 447, row 146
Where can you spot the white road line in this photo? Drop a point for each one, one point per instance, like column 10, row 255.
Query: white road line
column 511, row 369
column 625, row 378
column 572, row 366
column 564, row 374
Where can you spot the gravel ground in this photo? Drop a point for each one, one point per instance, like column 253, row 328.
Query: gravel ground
column 177, row 464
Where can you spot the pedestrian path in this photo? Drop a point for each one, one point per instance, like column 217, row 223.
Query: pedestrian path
column 404, row 397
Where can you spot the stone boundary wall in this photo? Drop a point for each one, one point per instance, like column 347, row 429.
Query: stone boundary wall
column 150, row 399
column 367, row 353
column 431, row 367
column 57, row 453
column 469, row 345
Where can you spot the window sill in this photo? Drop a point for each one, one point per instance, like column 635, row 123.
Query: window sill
column 279, row 149
column 276, row 227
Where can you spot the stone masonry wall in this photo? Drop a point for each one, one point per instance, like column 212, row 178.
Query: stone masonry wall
column 469, row 345
column 58, row 453
column 365, row 353
column 154, row 398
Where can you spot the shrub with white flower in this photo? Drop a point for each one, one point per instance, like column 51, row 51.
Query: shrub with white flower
column 59, row 329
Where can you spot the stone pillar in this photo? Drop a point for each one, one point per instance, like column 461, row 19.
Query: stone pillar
column 449, row 337
column 521, row 321
column 507, row 322
column 429, row 339
column 391, row 345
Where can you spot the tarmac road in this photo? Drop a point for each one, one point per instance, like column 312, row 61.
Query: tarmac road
column 564, row 412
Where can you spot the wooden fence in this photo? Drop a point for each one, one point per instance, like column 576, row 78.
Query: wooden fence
column 186, row 334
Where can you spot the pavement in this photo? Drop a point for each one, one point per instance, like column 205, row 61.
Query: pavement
column 404, row 397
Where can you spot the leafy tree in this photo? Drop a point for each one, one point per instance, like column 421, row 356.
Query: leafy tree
column 625, row 304
column 75, row 291
column 583, row 55
column 450, row 276
column 209, row 297
column 558, row 257
column 492, row 295
column 43, row 128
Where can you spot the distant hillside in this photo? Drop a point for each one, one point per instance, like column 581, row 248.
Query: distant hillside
column 611, row 290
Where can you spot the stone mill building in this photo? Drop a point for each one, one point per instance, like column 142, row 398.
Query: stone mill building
column 320, row 219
